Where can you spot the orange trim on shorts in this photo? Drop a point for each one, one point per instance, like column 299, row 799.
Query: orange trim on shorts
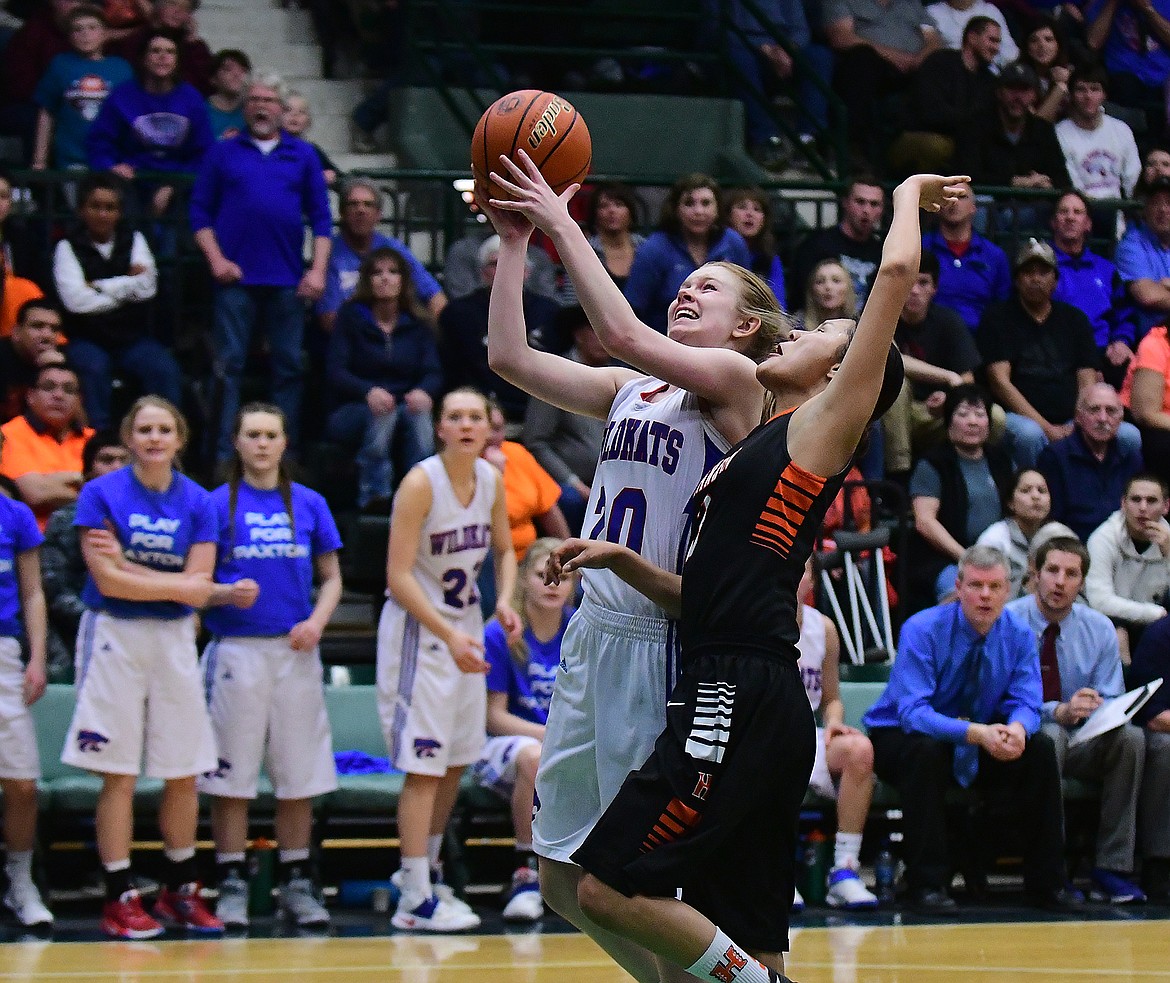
column 676, row 819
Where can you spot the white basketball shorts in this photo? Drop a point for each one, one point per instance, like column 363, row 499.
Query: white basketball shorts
column 19, row 758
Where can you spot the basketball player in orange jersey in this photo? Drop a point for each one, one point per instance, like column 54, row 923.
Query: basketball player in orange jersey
column 695, row 395
column 714, row 808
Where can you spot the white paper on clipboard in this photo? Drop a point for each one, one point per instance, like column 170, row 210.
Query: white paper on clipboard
column 1115, row 712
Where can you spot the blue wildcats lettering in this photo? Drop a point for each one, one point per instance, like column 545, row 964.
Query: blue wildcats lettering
column 473, row 537
column 652, row 442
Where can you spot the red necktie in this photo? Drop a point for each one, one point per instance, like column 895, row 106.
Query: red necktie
column 1049, row 668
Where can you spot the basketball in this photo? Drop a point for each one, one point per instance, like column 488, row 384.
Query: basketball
column 542, row 124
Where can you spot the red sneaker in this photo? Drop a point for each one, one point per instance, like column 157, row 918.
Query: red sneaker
column 126, row 919
column 185, row 908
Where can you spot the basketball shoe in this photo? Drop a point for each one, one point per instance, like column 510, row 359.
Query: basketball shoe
column 185, row 908
column 126, row 918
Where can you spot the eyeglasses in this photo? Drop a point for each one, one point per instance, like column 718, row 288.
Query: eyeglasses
column 68, row 388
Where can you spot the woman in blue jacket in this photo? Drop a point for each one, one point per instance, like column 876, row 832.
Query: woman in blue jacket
column 382, row 374
column 689, row 235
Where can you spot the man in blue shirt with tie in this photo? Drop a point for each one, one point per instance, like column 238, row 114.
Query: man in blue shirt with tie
column 963, row 706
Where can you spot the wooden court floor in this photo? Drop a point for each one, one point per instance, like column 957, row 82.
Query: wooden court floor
column 1035, row 952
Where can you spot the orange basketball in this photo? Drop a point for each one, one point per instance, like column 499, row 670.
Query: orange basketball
column 542, row 124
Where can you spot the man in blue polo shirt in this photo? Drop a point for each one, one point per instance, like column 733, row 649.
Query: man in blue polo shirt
column 249, row 209
column 1143, row 258
column 973, row 271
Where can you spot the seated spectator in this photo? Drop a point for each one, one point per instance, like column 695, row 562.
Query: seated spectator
column 761, row 63
column 843, row 766
column 952, row 17
column 43, row 446
column 298, row 117
column 357, row 234
column 1155, row 164
column 1143, row 257
column 1087, row 470
column 973, row 271
column 1080, row 668
column 15, row 292
column 1012, row 146
column 1133, row 40
column 689, row 234
column 530, row 492
column 21, row 247
column 1046, row 53
column 567, row 444
column 230, row 69
column 33, row 343
column 1091, row 282
column 938, row 353
column 878, row 48
column 954, row 89
column 854, row 241
column 126, row 138
column 749, row 212
column 963, row 707
column 1130, row 572
column 106, row 278
column 63, row 569
column 382, row 376
column 1039, row 354
column 1146, row 394
column 829, row 294
column 462, row 271
column 520, row 680
column 177, row 17
column 463, row 336
column 71, row 92
column 610, row 216
column 1026, row 526
column 1151, row 660
column 956, row 492
column 1100, row 152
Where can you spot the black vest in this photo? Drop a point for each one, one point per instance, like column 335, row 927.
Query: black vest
column 128, row 321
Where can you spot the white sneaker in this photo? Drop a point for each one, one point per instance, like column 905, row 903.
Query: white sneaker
column 24, row 901
column 431, row 915
column 231, row 907
column 847, row 891
column 299, row 902
column 524, row 901
column 797, row 900
column 443, row 891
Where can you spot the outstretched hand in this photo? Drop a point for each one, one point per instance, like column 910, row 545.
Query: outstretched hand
column 531, row 195
column 934, row 190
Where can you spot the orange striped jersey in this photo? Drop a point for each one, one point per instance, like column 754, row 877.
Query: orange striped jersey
column 757, row 516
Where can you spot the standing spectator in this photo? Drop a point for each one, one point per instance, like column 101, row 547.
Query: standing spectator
column 609, row 220
column 689, row 234
column 73, row 89
column 382, row 376
column 749, row 212
column 854, row 241
column 1087, row 471
column 1046, row 53
column 566, row 444
column 106, row 278
column 1147, row 395
column 357, row 234
column 33, row 343
column 1151, row 660
column 63, row 569
column 1080, row 668
column 1092, row 283
column 248, row 209
column 963, row 706
column 973, row 270
column 177, row 17
column 1143, row 257
column 298, row 117
column 463, row 336
column 951, row 17
column 1130, row 570
column 879, row 45
column 1100, row 152
column 225, row 105
column 1012, row 146
column 1134, row 41
column 42, row 449
column 1039, row 354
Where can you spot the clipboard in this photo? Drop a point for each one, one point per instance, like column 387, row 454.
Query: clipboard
column 1114, row 713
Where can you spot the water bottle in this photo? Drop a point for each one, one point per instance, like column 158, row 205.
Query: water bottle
column 261, row 877
column 885, row 873
column 816, row 867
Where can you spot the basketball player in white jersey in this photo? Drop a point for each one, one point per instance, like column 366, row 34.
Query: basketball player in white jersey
column 432, row 697
column 693, row 395
column 843, row 768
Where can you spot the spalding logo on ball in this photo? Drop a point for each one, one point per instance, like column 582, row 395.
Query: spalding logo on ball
column 543, row 125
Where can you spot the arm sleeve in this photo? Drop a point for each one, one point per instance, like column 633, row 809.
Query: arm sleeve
column 338, row 376
column 205, row 193
column 495, row 651
column 77, row 296
column 201, row 138
column 1023, row 696
column 316, row 203
column 102, row 141
column 916, row 657
column 326, row 537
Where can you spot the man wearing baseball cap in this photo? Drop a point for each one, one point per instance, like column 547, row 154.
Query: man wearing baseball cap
column 1143, row 258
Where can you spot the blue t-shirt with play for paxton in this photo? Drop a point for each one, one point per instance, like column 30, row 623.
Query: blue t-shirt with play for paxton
column 18, row 534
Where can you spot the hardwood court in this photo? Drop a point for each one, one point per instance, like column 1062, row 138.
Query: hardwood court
column 1052, row 952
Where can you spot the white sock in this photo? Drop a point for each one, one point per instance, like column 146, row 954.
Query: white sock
column 116, row 865
column 434, row 848
column 179, row 854
column 293, row 856
column 416, row 877
column 230, row 858
column 846, row 850
column 724, row 960
column 18, row 866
